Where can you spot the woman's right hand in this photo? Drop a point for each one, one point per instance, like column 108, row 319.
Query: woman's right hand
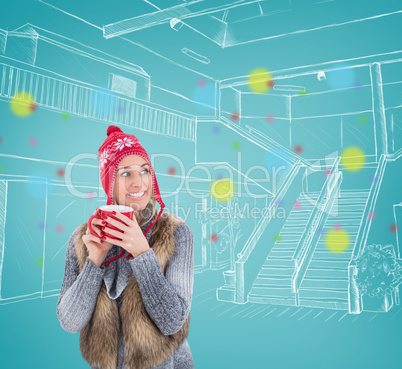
column 97, row 248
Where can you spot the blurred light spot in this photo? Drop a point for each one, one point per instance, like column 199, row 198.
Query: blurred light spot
column 36, row 184
column 215, row 129
column 39, row 261
column 103, row 101
column 393, row 228
column 33, row 141
column 277, row 238
column 236, row 145
column 337, row 240
column 234, row 116
column 65, row 115
column 22, row 104
column 298, row 149
column 260, row 80
column 91, row 195
column 59, row 228
column 60, row 172
column 172, row 171
column 204, row 97
column 275, row 160
column 222, row 190
column 341, row 76
column 303, row 92
column 353, row 158
column 363, row 119
column 214, row 237
column 270, row 118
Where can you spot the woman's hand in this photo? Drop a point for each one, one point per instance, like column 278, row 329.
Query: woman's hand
column 132, row 238
column 97, row 248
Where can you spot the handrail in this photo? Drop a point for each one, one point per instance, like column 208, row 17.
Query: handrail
column 302, row 263
column 355, row 298
column 65, row 96
column 263, row 222
column 396, row 155
column 309, row 229
column 362, row 235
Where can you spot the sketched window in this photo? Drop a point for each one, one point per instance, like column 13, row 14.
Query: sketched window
column 123, row 85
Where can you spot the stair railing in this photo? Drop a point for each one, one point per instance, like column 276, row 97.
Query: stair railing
column 355, row 303
column 241, row 265
column 263, row 222
column 303, row 252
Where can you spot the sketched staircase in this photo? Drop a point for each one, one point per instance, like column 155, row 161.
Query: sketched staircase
column 325, row 283
column 274, row 281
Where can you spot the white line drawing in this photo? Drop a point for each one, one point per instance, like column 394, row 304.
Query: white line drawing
column 282, row 261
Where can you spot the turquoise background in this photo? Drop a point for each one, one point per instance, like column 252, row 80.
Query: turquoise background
column 301, row 38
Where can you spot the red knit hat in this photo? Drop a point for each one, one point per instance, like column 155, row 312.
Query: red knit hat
column 116, row 146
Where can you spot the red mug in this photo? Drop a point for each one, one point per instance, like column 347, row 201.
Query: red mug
column 107, row 210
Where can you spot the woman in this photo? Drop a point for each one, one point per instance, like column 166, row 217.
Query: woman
column 132, row 312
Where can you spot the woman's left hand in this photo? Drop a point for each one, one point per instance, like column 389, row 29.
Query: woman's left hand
column 132, row 238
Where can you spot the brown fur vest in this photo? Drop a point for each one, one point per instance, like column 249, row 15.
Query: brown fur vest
column 144, row 345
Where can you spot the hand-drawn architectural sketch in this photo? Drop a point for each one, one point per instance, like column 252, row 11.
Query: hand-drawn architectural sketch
column 325, row 132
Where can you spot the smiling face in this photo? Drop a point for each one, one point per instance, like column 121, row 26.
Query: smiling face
column 133, row 178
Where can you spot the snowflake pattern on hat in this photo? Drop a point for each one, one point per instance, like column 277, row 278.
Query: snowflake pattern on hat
column 121, row 143
column 104, row 156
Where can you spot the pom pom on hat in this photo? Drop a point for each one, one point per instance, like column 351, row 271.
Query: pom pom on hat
column 112, row 129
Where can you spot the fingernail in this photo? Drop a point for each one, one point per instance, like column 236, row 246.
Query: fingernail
column 104, row 223
column 101, row 241
column 113, row 212
column 103, row 227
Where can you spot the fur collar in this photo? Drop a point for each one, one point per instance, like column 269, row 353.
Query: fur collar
column 144, row 345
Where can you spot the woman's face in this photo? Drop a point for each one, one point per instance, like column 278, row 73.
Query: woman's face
column 133, row 177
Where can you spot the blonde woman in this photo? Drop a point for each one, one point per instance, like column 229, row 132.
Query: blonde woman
column 130, row 298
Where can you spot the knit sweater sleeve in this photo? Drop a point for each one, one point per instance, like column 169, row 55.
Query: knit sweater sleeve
column 167, row 299
column 78, row 292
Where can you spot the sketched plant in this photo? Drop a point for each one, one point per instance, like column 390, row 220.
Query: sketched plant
column 378, row 272
column 223, row 244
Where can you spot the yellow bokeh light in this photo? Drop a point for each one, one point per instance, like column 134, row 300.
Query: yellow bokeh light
column 260, row 80
column 22, row 104
column 353, row 159
column 337, row 240
column 222, row 190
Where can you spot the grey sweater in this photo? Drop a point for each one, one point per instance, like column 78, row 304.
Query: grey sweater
column 166, row 298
